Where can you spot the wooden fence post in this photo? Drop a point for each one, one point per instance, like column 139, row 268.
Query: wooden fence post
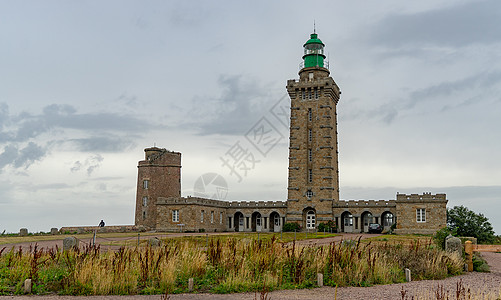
column 468, row 249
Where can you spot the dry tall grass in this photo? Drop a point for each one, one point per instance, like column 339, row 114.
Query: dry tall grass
column 224, row 266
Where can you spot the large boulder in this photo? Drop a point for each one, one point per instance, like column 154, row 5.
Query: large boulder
column 23, row 232
column 453, row 244
column 154, row 242
column 69, row 243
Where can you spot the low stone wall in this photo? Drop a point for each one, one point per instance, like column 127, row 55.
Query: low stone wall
column 91, row 229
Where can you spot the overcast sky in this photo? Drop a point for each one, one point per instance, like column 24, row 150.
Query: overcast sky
column 85, row 86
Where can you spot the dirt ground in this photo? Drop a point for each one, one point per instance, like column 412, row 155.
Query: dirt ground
column 107, row 243
column 476, row 282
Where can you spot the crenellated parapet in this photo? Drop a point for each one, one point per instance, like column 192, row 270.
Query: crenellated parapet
column 365, row 203
column 257, row 204
column 220, row 203
column 191, row 201
column 425, row 197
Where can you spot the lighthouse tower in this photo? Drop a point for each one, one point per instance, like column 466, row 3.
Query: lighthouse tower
column 313, row 184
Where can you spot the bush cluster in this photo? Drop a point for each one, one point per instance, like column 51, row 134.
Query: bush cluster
column 291, row 227
column 330, row 226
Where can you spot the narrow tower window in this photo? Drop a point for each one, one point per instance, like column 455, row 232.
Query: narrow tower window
column 310, row 135
column 303, row 96
column 146, row 184
column 310, row 115
column 309, row 94
column 202, row 217
column 145, row 201
column 310, row 175
column 316, row 93
column 175, row 215
column 310, row 155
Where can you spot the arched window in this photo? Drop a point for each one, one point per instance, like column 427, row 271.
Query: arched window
column 388, row 219
column 348, row 220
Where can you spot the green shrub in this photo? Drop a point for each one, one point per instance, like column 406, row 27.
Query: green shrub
column 328, row 227
column 479, row 264
column 290, row 227
column 440, row 236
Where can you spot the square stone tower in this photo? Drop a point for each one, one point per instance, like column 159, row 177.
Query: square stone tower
column 313, row 151
column 159, row 175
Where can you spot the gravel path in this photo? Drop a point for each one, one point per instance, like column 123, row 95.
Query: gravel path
column 485, row 282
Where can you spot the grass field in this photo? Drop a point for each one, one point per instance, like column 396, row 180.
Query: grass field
column 221, row 264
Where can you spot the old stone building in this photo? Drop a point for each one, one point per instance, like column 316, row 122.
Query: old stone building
column 313, row 183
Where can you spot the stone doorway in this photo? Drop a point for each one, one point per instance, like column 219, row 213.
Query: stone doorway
column 309, row 218
column 367, row 218
column 238, row 222
column 388, row 219
column 275, row 222
column 256, row 222
column 347, row 222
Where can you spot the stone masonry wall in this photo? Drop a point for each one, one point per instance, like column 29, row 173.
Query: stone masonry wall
column 313, row 149
column 216, row 214
column 435, row 210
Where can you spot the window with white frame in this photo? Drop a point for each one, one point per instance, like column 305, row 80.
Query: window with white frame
column 145, row 201
column 175, row 215
column 202, row 217
column 348, row 220
column 146, row 184
column 310, row 220
column 220, row 218
column 388, row 219
column 212, row 216
column 421, row 215
column 276, row 220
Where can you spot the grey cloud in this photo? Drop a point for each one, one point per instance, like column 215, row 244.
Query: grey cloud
column 103, row 132
column 29, row 155
column 21, row 158
column 76, row 166
column 476, row 22
column 94, row 162
column 439, row 94
column 8, row 155
column 102, row 144
column 65, row 117
column 4, row 114
column 240, row 104
column 90, row 164
column 52, row 186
